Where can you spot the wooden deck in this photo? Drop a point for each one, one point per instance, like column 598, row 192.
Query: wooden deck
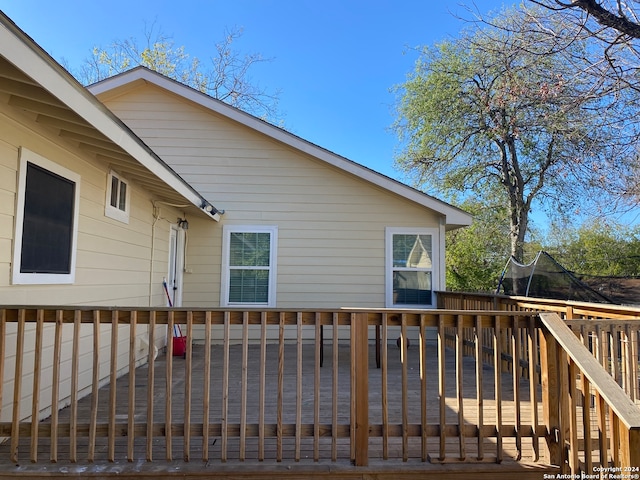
column 242, row 452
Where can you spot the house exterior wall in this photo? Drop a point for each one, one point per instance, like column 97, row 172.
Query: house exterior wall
column 113, row 259
column 331, row 224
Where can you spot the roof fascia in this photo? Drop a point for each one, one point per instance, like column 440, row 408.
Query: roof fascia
column 19, row 49
column 455, row 217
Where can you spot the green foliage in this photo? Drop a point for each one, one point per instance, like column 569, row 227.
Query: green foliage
column 598, row 248
column 476, row 255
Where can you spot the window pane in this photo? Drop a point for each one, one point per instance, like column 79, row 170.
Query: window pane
column 122, row 205
column 114, row 192
column 249, row 286
column 412, row 251
column 412, row 288
column 249, row 249
column 48, row 222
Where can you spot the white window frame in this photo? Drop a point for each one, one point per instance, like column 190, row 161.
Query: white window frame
column 115, row 212
column 19, row 278
column 227, row 230
column 389, row 268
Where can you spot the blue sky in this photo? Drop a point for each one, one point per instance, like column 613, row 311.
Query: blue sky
column 334, row 61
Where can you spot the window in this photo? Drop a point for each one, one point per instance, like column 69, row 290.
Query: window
column 249, row 266
column 411, row 267
column 117, row 202
column 46, row 222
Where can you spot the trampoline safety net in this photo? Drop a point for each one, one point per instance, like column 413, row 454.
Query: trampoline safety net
column 546, row 278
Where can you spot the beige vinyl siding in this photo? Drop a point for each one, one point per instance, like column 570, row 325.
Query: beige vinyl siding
column 111, row 255
column 331, row 224
column 113, row 261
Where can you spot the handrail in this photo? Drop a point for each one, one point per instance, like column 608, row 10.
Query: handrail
column 461, row 300
column 564, row 367
column 615, row 396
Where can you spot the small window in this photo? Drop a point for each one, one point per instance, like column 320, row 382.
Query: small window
column 249, row 267
column 117, row 203
column 411, row 267
column 46, row 222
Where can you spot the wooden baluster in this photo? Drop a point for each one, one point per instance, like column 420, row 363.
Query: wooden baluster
column 316, row 392
column 614, row 431
column 359, row 339
column 352, row 392
column 533, row 385
column 280, row 387
column 55, row 386
column 73, row 408
column 168, row 414
column 574, row 463
column 515, row 353
column 550, row 390
column 206, row 397
column 479, row 391
column 186, row 454
column 113, row 377
column 615, row 353
column 225, row 389
column 335, row 388
column 635, row 363
column 37, row 375
column 497, row 352
column 441, row 389
column 405, row 385
column 423, row 387
column 630, row 444
column 17, row 387
column 131, row 414
column 565, row 424
column 586, row 422
column 95, row 386
column 263, row 383
column 243, row 385
column 459, row 385
column 384, row 368
column 298, row 384
column 151, row 384
column 603, row 444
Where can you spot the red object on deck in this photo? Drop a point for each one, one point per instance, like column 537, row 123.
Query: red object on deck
column 179, row 346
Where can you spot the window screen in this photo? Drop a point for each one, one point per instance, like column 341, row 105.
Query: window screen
column 48, row 222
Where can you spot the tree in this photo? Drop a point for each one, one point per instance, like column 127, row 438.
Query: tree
column 500, row 111
column 597, row 248
column 476, row 255
column 227, row 78
column 613, row 14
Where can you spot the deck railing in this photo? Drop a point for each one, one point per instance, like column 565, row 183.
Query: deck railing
column 595, row 424
column 613, row 339
column 287, row 385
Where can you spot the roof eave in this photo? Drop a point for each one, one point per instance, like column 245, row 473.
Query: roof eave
column 25, row 54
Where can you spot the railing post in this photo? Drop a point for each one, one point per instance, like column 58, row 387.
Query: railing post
column 630, row 443
column 549, row 373
column 359, row 342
